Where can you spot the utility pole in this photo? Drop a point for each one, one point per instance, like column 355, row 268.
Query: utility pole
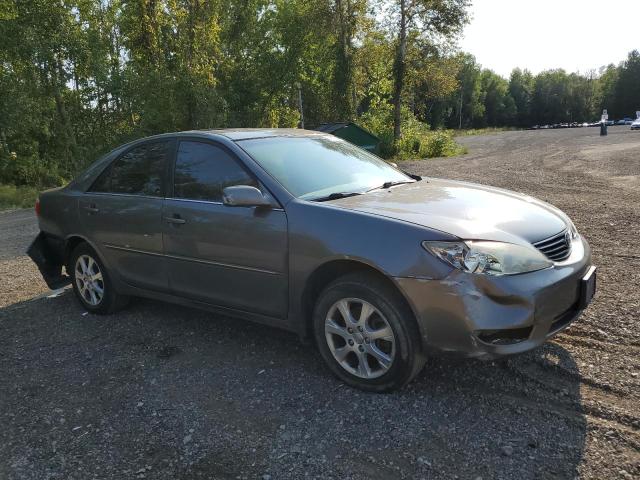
column 460, row 109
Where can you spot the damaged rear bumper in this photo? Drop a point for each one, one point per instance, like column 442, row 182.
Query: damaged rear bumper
column 47, row 253
column 487, row 317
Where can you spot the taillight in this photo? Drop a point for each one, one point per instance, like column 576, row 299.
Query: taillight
column 38, row 207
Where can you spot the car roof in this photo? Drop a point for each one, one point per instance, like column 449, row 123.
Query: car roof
column 233, row 134
column 247, row 133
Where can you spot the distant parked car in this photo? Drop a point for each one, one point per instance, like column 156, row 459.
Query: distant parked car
column 635, row 125
column 621, row 122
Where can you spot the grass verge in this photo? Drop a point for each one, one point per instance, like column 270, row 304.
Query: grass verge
column 17, row 197
column 481, row 131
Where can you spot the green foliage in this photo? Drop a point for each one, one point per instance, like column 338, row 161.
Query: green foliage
column 627, row 87
column 17, row 197
column 78, row 78
column 521, row 86
column 417, row 140
column 26, row 168
column 440, row 143
column 483, row 99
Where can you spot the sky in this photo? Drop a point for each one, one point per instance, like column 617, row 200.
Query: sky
column 545, row 34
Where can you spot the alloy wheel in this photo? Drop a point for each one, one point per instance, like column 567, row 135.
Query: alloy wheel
column 360, row 338
column 89, row 280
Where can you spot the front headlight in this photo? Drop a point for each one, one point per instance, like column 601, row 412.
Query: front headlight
column 490, row 258
column 573, row 230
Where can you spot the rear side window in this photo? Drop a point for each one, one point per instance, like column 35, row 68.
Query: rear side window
column 103, row 182
column 139, row 171
column 203, row 170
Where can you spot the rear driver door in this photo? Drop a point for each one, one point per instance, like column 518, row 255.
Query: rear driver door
column 122, row 214
column 228, row 256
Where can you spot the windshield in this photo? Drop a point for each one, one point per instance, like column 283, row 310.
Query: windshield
column 315, row 167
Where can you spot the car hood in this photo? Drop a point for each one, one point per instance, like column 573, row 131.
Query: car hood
column 466, row 210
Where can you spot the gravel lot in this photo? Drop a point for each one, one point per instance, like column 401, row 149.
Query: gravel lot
column 160, row 391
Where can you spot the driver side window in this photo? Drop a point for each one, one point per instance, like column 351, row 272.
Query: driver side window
column 203, row 171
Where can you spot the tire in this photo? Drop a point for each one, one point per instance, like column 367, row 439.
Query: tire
column 88, row 277
column 386, row 354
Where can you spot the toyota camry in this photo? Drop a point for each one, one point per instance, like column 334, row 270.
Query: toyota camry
column 306, row 232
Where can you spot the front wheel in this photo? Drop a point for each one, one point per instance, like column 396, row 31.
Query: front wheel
column 366, row 334
column 91, row 282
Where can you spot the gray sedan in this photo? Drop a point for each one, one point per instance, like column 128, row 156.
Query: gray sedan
column 303, row 231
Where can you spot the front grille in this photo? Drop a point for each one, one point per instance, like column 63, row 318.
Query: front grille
column 556, row 248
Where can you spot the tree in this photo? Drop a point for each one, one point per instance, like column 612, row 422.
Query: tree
column 435, row 21
column 606, row 88
column 468, row 107
column 627, row 88
column 348, row 16
column 80, row 77
column 431, row 78
column 521, row 85
column 499, row 106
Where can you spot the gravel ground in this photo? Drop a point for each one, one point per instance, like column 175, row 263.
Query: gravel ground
column 160, row 391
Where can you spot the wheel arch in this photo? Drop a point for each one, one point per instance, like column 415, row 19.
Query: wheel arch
column 72, row 241
column 333, row 269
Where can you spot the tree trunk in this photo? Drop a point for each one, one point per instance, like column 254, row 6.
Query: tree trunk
column 399, row 69
column 58, row 80
column 344, row 73
column 4, row 146
column 193, row 12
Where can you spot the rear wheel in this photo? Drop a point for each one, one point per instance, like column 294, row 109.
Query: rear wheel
column 91, row 282
column 366, row 334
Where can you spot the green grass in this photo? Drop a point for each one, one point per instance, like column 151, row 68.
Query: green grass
column 17, row 197
column 480, row 131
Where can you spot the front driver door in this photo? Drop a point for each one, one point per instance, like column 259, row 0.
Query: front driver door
column 229, row 256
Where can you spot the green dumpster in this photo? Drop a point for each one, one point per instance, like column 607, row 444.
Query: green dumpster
column 353, row 133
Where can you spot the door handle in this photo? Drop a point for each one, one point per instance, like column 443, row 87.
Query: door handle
column 175, row 220
column 92, row 208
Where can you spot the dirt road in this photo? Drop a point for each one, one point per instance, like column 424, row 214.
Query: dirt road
column 159, row 391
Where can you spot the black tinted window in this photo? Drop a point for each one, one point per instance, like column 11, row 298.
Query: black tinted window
column 103, row 183
column 137, row 172
column 203, row 171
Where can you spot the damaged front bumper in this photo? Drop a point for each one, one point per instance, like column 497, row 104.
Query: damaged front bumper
column 491, row 316
column 47, row 253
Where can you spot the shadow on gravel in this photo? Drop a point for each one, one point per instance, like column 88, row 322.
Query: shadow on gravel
column 161, row 391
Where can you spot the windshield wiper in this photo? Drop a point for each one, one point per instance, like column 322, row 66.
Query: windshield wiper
column 415, row 177
column 388, row 185
column 335, row 196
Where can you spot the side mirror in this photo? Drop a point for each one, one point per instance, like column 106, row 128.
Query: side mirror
column 244, row 196
column 393, row 164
